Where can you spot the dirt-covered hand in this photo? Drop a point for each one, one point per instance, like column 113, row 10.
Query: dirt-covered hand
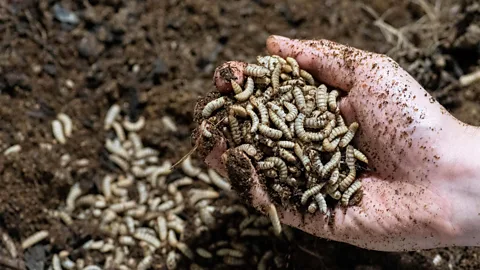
column 414, row 194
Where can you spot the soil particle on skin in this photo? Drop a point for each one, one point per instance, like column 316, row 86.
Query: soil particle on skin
column 240, row 170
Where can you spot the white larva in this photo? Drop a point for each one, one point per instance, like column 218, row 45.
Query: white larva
column 234, row 128
column 286, row 144
column 56, row 262
column 111, row 115
column 145, row 152
column 261, row 108
column 248, row 149
column 162, row 228
column 336, row 195
column 265, row 165
column 206, row 217
column 166, row 206
column 332, row 100
column 331, row 164
column 285, row 89
column 272, row 213
column 350, row 191
column 122, row 206
column 301, row 155
column 229, row 252
column 136, row 141
column 236, row 208
column 68, row 264
column 312, row 208
column 311, row 192
column 108, row 215
column 189, row 169
column 130, row 223
column 228, row 260
column 67, row 123
column 142, row 192
column 119, row 132
column 280, row 124
column 73, row 194
column 237, row 89
column 116, row 148
column 121, row 163
column 277, row 109
column 118, row 191
column 276, row 76
column 247, row 92
column 204, row 253
column 185, row 250
column 213, row 106
column 307, row 76
column 314, row 122
column 171, row 260
column 12, row 149
column 338, row 131
column 134, row 126
column 321, row 98
column 334, row 177
column 147, row 237
column 350, row 157
column 106, row 186
column 269, row 132
column 34, row 239
column 286, row 155
column 347, row 138
column 256, row 70
column 299, row 99
column 145, row 263
column 339, row 120
column 360, row 156
column 330, row 146
column 197, row 195
column 262, row 264
column 322, row 204
column 172, row 238
column 348, row 180
column 80, row 263
column 280, row 166
column 295, row 67
column 92, row 267
column 219, row 181
column 9, row 245
column 181, row 182
column 254, row 117
column 238, row 111
column 292, row 111
column 58, row 132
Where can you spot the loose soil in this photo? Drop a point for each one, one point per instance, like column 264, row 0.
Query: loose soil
column 157, row 58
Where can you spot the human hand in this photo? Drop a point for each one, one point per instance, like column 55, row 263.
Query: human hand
column 421, row 190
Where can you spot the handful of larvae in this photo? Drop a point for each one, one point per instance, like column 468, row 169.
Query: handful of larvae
column 293, row 131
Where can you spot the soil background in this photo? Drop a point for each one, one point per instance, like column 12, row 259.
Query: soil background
column 157, row 57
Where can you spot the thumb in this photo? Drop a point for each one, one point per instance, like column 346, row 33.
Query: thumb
column 332, row 63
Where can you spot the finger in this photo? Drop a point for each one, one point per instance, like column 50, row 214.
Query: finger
column 232, row 70
column 332, row 63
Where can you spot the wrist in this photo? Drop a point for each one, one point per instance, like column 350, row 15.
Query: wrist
column 461, row 175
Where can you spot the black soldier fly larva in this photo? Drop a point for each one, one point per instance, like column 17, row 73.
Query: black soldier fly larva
column 291, row 119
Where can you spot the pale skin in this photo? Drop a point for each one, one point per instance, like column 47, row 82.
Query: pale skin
column 423, row 188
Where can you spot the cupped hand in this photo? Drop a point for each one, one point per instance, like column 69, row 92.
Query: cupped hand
column 411, row 143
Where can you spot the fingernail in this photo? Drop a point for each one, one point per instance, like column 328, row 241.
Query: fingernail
column 279, row 38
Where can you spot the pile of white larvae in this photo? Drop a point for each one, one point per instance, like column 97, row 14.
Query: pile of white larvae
column 152, row 218
column 294, row 132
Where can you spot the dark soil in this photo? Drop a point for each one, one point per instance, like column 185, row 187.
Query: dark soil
column 157, row 58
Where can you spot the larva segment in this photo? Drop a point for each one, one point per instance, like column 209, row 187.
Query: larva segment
column 338, row 131
column 312, row 208
column 34, row 238
column 286, row 144
column 316, row 161
column 331, row 164
column 307, row 76
column 339, row 120
column 58, row 132
column 277, row 109
column 256, row 70
column 281, row 167
column 280, row 124
column 134, row 126
column 301, row 155
column 350, row 191
column 185, row 250
column 347, row 181
column 238, row 110
column 145, row 263
column 286, row 155
column 245, row 94
column 261, row 108
column 285, row 89
column 299, row 99
column 204, row 253
column 213, row 106
column 254, row 117
column 219, row 181
column 234, row 128
column 314, row 122
column 322, row 204
column 330, row 146
column 347, row 138
column 269, row 132
column 237, row 89
column 292, row 111
column 272, row 213
column 294, row 65
column 111, row 115
column 286, row 97
column 67, row 123
column 310, row 192
column 248, row 149
column 332, row 100
column 334, row 177
column 276, row 77
column 360, row 156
